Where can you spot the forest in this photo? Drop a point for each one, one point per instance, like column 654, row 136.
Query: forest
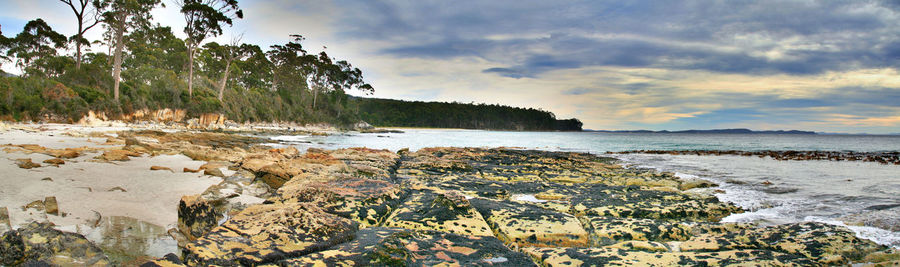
column 399, row 113
column 146, row 66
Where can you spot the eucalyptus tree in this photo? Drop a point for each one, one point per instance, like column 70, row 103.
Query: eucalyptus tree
column 87, row 15
column 120, row 16
column 203, row 19
column 37, row 40
column 225, row 55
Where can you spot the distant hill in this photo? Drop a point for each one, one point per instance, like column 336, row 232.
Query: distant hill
column 400, row 113
column 716, row 131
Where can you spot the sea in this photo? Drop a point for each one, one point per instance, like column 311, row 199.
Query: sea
column 772, row 191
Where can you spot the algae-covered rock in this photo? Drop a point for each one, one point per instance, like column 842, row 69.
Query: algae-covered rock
column 610, row 230
column 196, row 216
column 527, row 225
column 378, row 246
column 627, row 257
column 633, row 202
column 363, row 200
column 823, row 243
column 269, row 232
column 39, row 243
column 169, row 260
column 442, row 211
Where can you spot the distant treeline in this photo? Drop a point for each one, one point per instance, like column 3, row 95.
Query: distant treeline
column 399, row 113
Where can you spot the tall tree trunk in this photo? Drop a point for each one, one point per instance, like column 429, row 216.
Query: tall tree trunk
column 191, row 71
column 117, row 69
column 315, row 95
column 224, row 80
column 78, row 46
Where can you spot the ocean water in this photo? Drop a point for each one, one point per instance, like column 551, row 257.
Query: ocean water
column 772, row 191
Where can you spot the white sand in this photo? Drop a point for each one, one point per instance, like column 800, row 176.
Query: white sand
column 82, row 187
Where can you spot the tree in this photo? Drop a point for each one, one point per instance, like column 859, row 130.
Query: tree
column 204, row 18
column 87, row 15
column 37, row 40
column 120, row 16
column 226, row 54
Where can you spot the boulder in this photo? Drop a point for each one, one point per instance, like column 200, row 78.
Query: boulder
column 50, row 206
column 27, row 164
column 196, row 217
column 270, row 232
column 39, row 244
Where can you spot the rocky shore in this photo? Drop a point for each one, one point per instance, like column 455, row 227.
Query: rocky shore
column 435, row 206
column 879, row 157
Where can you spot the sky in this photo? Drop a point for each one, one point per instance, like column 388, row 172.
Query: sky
column 828, row 66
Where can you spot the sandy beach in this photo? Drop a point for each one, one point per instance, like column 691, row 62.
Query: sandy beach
column 88, row 191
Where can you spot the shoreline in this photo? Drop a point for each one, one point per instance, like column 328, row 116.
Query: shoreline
column 246, row 181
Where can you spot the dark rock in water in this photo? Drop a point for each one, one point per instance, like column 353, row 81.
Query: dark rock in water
column 778, row 190
column 39, row 242
column 196, row 217
column 269, row 232
column 882, row 207
column 528, row 225
column 378, row 246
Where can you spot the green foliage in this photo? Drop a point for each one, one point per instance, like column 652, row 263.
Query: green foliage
column 285, row 83
column 37, row 41
column 398, row 113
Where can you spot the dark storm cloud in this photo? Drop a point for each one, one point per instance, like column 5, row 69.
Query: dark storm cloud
column 727, row 36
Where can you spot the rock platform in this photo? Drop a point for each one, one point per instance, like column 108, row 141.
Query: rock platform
column 460, row 207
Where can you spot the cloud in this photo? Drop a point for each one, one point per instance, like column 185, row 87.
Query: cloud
column 614, row 64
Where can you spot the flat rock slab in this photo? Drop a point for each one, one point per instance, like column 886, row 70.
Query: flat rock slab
column 823, row 243
column 634, row 202
column 38, row 244
column 620, row 257
column 268, row 233
column 610, row 230
column 442, row 211
column 528, row 225
column 363, row 200
column 379, row 246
